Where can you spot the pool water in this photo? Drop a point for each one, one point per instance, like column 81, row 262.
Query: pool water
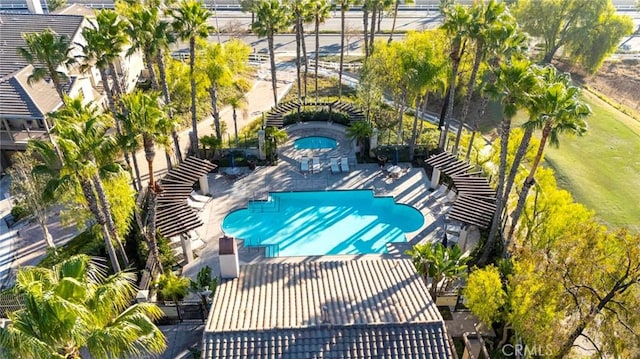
column 324, row 222
column 314, row 143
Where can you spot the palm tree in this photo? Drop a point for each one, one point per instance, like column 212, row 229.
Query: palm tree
column 434, row 260
column 559, row 110
column 272, row 16
column 344, row 7
column 298, row 11
column 487, row 21
column 148, row 30
column 219, row 73
column 83, row 136
column 48, row 53
column 514, row 84
column 147, row 120
column 142, row 30
column 320, row 10
column 87, row 148
column 190, row 23
column 360, row 131
column 74, row 308
column 237, row 99
column 105, row 39
column 274, row 137
column 455, row 23
column 396, row 3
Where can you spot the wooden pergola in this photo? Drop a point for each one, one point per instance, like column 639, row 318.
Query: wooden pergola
column 475, row 202
column 174, row 215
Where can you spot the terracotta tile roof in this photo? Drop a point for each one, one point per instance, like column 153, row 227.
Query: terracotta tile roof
column 348, row 306
column 393, row 341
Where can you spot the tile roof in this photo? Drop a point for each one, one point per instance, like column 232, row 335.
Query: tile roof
column 415, row 340
column 13, row 26
column 335, row 306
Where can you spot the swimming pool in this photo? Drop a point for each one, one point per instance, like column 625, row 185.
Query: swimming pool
column 323, row 222
column 314, row 143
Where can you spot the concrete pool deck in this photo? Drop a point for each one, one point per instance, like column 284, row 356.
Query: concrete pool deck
column 410, row 188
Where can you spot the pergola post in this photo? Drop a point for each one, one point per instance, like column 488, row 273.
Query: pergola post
column 435, row 178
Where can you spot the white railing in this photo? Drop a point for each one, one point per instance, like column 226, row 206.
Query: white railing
column 335, row 65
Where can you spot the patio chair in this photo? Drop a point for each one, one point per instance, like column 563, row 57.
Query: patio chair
column 199, row 198
column 344, row 164
column 304, row 164
column 195, row 205
column 316, row 167
column 333, row 162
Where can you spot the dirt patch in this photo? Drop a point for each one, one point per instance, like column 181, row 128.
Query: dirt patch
column 617, row 79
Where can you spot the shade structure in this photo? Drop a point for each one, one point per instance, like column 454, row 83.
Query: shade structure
column 448, row 164
column 174, row 216
column 475, row 203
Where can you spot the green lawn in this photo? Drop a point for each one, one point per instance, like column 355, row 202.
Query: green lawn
column 602, row 168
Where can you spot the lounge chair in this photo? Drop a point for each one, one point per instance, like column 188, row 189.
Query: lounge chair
column 199, row 198
column 195, row 205
column 317, row 167
column 333, row 162
column 304, row 164
column 344, row 164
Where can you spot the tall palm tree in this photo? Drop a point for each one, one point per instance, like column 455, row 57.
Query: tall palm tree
column 237, row 99
column 105, row 39
column 455, row 23
column 396, row 4
column 219, row 74
column 153, row 35
column 74, row 307
column 344, row 7
column 49, row 54
column 147, row 120
column 142, row 30
column 559, row 110
column 86, row 148
column 298, row 11
column 513, row 88
column 487, row 20
column 190, row 23
column 320, row 10
column 272, row 16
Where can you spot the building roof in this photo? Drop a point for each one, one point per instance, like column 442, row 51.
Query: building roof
column 408, row 341
column 13, row 26
column 351, row 308
column 76, row 9
column 21, row 99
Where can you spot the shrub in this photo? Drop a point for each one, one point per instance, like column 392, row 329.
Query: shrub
column 88, row 242
column 19, row 212
column 308, row 116
column 172, row 287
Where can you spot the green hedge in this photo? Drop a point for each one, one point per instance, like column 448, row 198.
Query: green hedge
column 320, row 116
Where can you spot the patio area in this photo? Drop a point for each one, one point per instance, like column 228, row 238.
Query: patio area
column 411, row 188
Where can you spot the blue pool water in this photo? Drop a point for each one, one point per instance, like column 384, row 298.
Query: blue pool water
column 320, row 223
column 314, row 143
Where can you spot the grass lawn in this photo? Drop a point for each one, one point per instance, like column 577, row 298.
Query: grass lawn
column 602, row 168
